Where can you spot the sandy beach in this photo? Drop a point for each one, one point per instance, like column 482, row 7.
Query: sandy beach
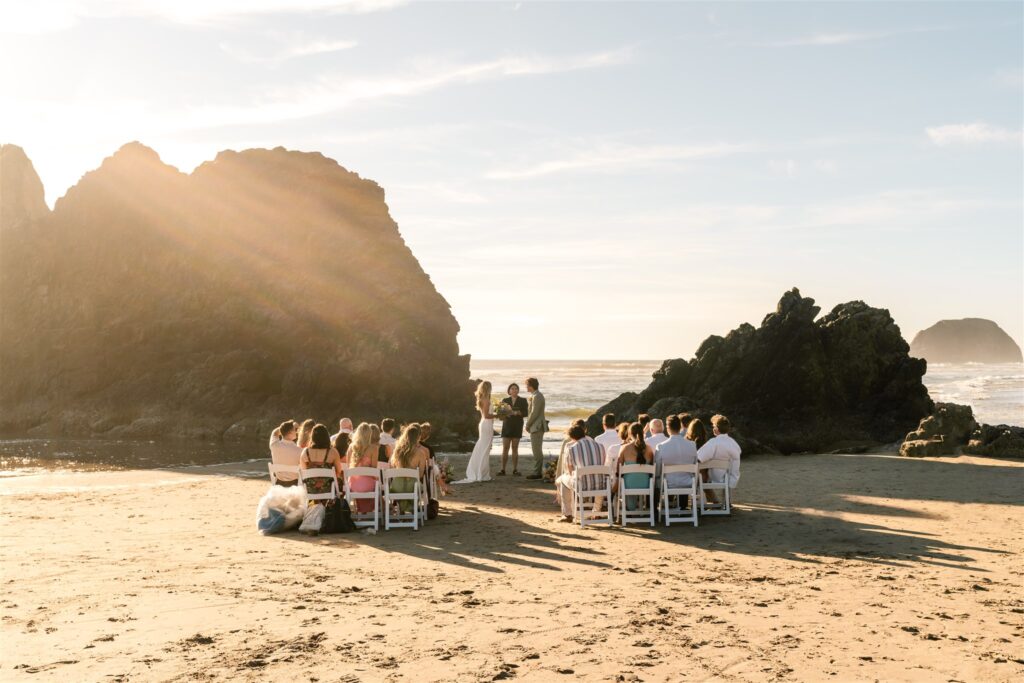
column 832, row 568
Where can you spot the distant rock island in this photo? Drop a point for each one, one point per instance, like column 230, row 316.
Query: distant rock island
column 970, row 340
column 265, row 285
column 845, row 381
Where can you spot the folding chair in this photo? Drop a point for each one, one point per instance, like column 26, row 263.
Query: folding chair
column 276, row 469
column 645, row 494
column 363, row 519
column 724, row 506
column 402, row 519
column 678, row 514
column 319, row 473
column 586, row 476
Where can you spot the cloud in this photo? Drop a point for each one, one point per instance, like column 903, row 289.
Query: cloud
column 847, row 37
column 329, row 94
column 57, row 15
column 614, row 157
column 971, row 134
column 289, row 49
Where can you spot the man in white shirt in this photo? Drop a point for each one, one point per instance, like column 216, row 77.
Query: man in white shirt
column 344, row 427
column 657, row 436
column 388, row 427
column 676, row 450
column 721, row 447
column 284, row 451
column 610, row 436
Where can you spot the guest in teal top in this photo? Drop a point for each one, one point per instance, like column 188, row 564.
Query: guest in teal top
column 635, row 452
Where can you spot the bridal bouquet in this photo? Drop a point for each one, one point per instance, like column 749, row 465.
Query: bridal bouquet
column 501, row 410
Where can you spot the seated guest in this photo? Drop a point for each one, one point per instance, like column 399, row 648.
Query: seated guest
column 362, row 452
column 341, row 442
column 635, row 452
column 320, row 454
column 657, row 433
column 566, row 442
column 645, row 420
column 408, row 453
column 582, row 451
column 382, row 450
column 721, row 447
column 388, row 432
column 684, row 420
column 610, row 436
column 284, row 451
column 305, row 432
column 611, row 456
column 676, row 450
column 433, row 471
column 697, row 433
column 344, row 427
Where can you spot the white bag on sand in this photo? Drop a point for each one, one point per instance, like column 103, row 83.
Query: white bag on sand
column 286, row 501
column 313, row 520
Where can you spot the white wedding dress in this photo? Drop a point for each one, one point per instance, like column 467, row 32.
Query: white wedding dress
column 479, row 468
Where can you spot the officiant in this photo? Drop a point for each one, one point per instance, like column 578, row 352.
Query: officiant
column 513, row 411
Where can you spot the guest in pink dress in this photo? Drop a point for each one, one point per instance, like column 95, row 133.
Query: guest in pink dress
column 362, row 453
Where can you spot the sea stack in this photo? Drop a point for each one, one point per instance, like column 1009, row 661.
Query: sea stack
column 267, row 284
column 970, row 340
column 845, row 381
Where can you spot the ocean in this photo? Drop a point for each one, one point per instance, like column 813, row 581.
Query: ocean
column 572, row 389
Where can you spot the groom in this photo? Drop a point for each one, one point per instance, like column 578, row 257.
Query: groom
column 536, row 425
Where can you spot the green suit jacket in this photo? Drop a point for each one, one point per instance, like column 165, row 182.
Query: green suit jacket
column 535, row 416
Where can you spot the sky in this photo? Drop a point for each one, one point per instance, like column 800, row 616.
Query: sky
column 586, row 180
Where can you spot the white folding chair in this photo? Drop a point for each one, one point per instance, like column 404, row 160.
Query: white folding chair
column 645, row 495
column 724, row 505
column 363, row 519
column 281, row 469
column 581, row 493
column 678, row 514
column 401, row 519
column 319, row 473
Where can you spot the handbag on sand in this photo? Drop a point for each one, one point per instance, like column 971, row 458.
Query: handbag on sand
column 433, row 507
column 312, row 520
column 337, row 517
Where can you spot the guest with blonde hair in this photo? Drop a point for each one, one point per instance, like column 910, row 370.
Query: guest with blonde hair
column 362, row 452
column 408, row 454
column 306, row 433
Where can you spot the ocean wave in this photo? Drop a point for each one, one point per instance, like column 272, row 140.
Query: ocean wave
column 571, row 413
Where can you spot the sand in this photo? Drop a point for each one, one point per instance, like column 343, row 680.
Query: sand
column 832, row 568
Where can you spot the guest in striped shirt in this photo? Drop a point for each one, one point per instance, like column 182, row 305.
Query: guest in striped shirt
column 582, row 451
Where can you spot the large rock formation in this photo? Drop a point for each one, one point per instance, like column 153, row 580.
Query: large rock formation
column 971, row 340
column 267, row 284
column 951, row 429
column 797, row 383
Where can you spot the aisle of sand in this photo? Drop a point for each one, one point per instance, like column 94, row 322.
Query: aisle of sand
column 833, row 567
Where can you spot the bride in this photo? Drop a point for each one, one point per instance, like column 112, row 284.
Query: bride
column 479, row 468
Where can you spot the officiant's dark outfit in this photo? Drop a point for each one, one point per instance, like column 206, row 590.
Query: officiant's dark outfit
column 512, row 426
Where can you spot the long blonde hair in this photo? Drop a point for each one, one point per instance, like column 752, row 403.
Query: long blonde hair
column 361, row 440
column 306, row 432
column 483, row 393
column 405, row 447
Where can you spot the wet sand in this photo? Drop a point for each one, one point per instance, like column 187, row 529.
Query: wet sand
column 832, row 568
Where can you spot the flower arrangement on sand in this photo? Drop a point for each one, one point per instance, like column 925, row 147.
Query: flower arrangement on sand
column 549, row 470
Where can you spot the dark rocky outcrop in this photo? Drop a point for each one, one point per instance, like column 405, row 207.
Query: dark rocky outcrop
column 952, row 429
column 267, row 284
column 971, row 340
column 844, row 381
column 942, row 432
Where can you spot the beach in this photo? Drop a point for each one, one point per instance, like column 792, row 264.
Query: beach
column 832, row 568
